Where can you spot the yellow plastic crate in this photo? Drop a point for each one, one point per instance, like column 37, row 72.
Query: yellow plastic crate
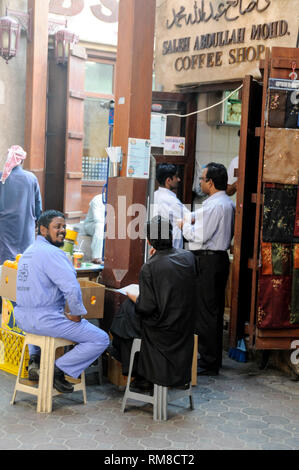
column 8, row 321
column 11, row 345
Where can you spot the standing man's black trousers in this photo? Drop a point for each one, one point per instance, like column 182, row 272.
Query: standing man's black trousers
column 210, row 299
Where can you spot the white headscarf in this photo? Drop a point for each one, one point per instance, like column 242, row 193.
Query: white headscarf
column 14, row 157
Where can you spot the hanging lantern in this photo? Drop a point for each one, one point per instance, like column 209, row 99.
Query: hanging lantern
column 64, row 40
column 9, row 37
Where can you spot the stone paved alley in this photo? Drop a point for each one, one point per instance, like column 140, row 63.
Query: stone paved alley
column 242, row 408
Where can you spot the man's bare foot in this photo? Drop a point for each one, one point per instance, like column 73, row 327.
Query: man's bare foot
column 97, row 261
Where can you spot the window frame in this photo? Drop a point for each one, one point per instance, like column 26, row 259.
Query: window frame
column 90, row 94
column 103, row 58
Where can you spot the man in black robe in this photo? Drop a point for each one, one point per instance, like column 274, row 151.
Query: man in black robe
column 165, row 306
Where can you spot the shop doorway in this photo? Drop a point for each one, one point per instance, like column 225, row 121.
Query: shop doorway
column 181, row 104
column 65, row 133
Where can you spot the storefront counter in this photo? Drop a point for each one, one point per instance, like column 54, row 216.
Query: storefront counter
column 90, row 270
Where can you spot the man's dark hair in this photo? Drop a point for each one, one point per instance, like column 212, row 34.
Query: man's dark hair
column 159, row 233
column 218, row 174
column 46, row 218
column 164, row 171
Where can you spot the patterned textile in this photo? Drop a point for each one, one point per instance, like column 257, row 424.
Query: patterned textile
column 274, row 302
column 296, row 229
column 277, row 108
column 291, row 112
column 295, row 286
column 281, row 156
column 276, row 259
column 279, row 213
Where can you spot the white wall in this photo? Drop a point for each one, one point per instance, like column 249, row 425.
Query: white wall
column 218, row 144
column 214, row 144
column 12, row 91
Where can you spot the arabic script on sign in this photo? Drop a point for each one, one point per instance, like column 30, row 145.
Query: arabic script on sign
column 230, row 10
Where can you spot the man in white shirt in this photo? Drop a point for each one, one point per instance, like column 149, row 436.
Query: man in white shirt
column 231, row 178
column 94, row 225
column 209, row 239
column 166, row 202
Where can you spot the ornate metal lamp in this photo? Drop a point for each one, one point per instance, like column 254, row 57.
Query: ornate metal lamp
column 64, row 40
column 9, row 37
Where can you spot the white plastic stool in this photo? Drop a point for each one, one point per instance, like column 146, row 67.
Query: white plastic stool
column 160, row 397
column 44, row 391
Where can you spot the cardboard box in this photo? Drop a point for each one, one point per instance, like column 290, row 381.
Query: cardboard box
column 8, row 282
column 115, row 375
column 93, row 295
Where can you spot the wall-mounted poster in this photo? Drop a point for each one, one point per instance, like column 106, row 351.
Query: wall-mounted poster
column 139, row 154
column 158, row 130
column 232, row 109
column 174, row 146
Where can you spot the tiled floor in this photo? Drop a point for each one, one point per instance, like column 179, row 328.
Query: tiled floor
column 242, row 408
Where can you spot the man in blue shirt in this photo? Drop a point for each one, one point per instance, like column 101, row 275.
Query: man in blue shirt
column 45, row 281
column 209, row 239
column 20, row 205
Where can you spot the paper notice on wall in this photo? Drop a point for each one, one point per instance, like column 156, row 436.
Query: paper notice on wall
column 139, row 154
column 174, row 146
column 158, row 129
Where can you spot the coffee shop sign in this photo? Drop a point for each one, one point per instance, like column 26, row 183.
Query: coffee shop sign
column 104, row 10
column 203, row 45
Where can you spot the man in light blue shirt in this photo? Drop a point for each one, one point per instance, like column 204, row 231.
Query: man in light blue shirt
column 20, row 205
column 45, row 281
column 209, row 239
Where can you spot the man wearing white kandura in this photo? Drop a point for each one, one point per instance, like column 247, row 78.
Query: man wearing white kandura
column 94, row 225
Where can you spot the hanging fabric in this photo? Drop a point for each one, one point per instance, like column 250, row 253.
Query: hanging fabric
column 296, row 229
column 277, row 108
column 274, row 302
column 292, row 111
column 295, row 286
column 279, row 213
column 276, row 259
column 281, row 156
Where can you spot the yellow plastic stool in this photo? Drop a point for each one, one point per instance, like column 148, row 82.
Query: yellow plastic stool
column 44, row 391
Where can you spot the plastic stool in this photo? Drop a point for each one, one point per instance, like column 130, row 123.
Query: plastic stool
column 160, row 397
column 44, row 391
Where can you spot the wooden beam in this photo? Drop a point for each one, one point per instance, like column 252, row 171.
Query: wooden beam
column 134, row 69
column 259, row 202
column 209, row 87
column 124, row 255
column 36, row 91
